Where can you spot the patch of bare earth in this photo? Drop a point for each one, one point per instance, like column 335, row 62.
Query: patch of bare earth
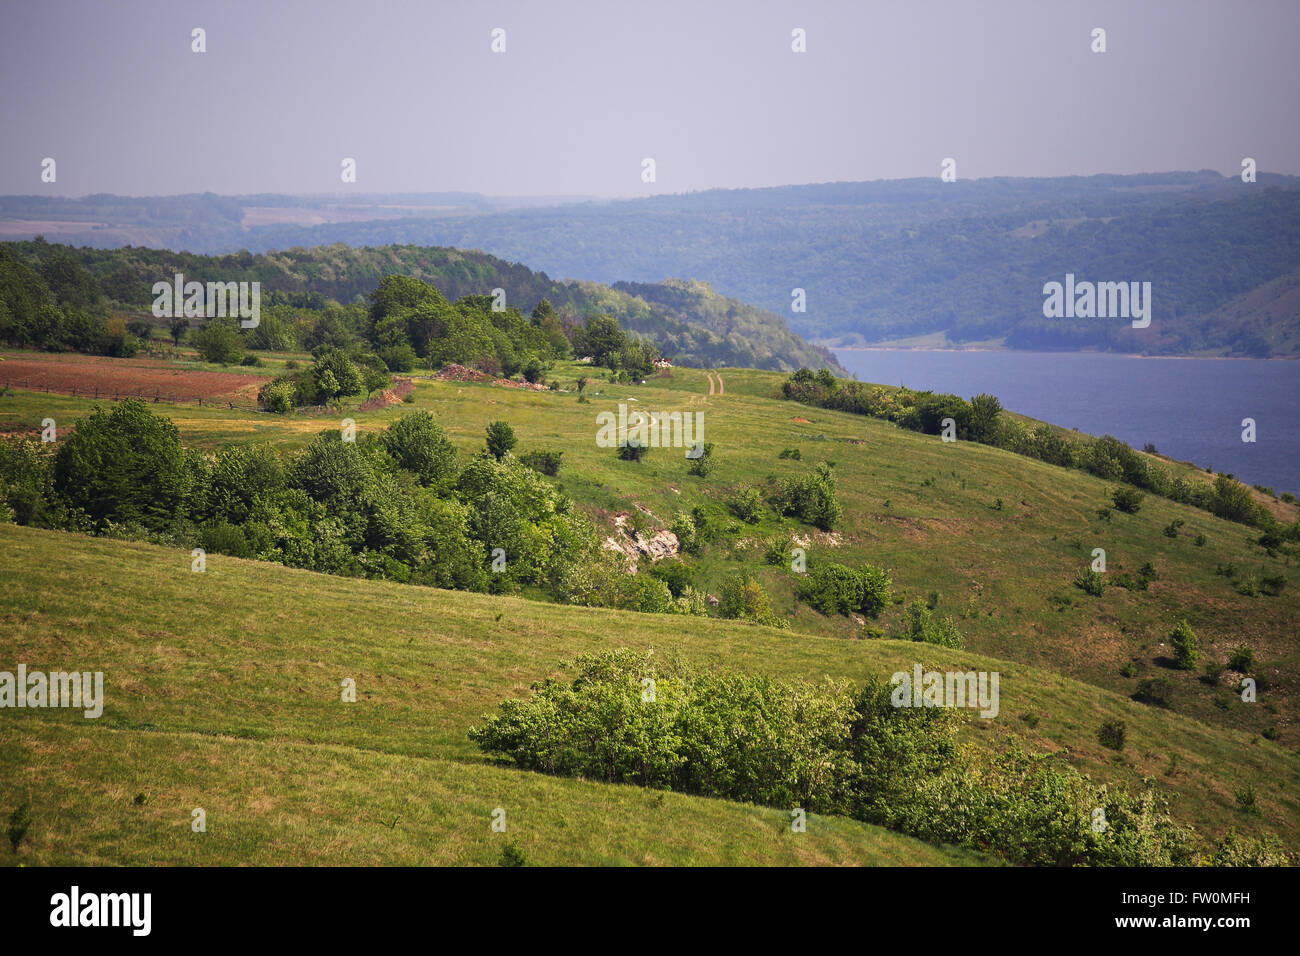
column 99, row 376
column 459, row 373
column 389, row 396
column 634, row 546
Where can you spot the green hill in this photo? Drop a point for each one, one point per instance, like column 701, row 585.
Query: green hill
column 894, row 260
column 223, row 693
column 690, row 323
column 249, row 655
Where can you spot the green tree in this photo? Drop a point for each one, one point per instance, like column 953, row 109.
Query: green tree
column 177, row 329
column 1183, row 640
column 500, row 439
column 335, row 374
column 219, row 341
column 984, row 412
column 420, row 445
column 124, row 465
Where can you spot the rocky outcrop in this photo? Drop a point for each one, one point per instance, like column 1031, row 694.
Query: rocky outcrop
column 662, row 544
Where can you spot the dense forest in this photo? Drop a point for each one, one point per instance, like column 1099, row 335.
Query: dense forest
column 879, row 261
column 689, row 324
column 879, row 267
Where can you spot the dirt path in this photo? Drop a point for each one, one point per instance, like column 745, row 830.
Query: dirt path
column 721, row 389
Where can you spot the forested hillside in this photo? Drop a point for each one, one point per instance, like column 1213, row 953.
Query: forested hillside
column 879, row 261
column 690, row 324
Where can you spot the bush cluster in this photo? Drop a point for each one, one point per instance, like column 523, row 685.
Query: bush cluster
column 631, row 717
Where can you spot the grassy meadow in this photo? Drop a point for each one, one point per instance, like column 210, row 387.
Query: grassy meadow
column 223, row 688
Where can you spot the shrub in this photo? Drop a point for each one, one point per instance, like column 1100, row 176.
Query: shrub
column 511, row 855
column 983, row 420
column 1183, row 641
column 399, row 358
column 743, row 597
column 1248, row 799
column 1131, row 583
column 546, row 462
column 1272, row 585
column 19, row 823
column 1200, row 540
column 923, row 626
column 334, row 374
column 500, row 439
column 1127, row 500
column 631, row 451
column 1155, row 690
column 747, row 505
column 775, row 550
column 251, row 360
column 684, row 528
column 791, row 453
column 534, row 371
column 1171, row 529
column 1231, row 499
column 1128, row 669
column 704, row 465
column 1111, row 734
column 810, row 498
column 1234, row 850
column 693, row 602
column 836, row 589
column 1242, row 660
column 1090, row 582
column 675, row 574
column 745, row 738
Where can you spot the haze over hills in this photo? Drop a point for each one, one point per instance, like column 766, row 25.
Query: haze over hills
column 689, row 322
column 885, row 261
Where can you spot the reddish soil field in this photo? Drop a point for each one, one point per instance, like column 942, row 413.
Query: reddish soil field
column 85, row 374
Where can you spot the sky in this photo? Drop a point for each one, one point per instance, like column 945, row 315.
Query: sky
column 584, row 92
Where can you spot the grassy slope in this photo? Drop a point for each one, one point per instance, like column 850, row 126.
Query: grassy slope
column 239, row 713
column 912, row 503
column 223, row 692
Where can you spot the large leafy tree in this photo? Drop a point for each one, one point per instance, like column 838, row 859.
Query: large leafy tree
column 124, row 465
column 420, row 445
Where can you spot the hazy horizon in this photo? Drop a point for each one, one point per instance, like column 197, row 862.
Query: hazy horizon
column 584, row 92
column 560, row 198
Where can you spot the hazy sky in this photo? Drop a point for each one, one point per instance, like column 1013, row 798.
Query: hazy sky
column 585, row 91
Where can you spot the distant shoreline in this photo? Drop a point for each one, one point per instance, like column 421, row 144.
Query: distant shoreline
column 1137, row 355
